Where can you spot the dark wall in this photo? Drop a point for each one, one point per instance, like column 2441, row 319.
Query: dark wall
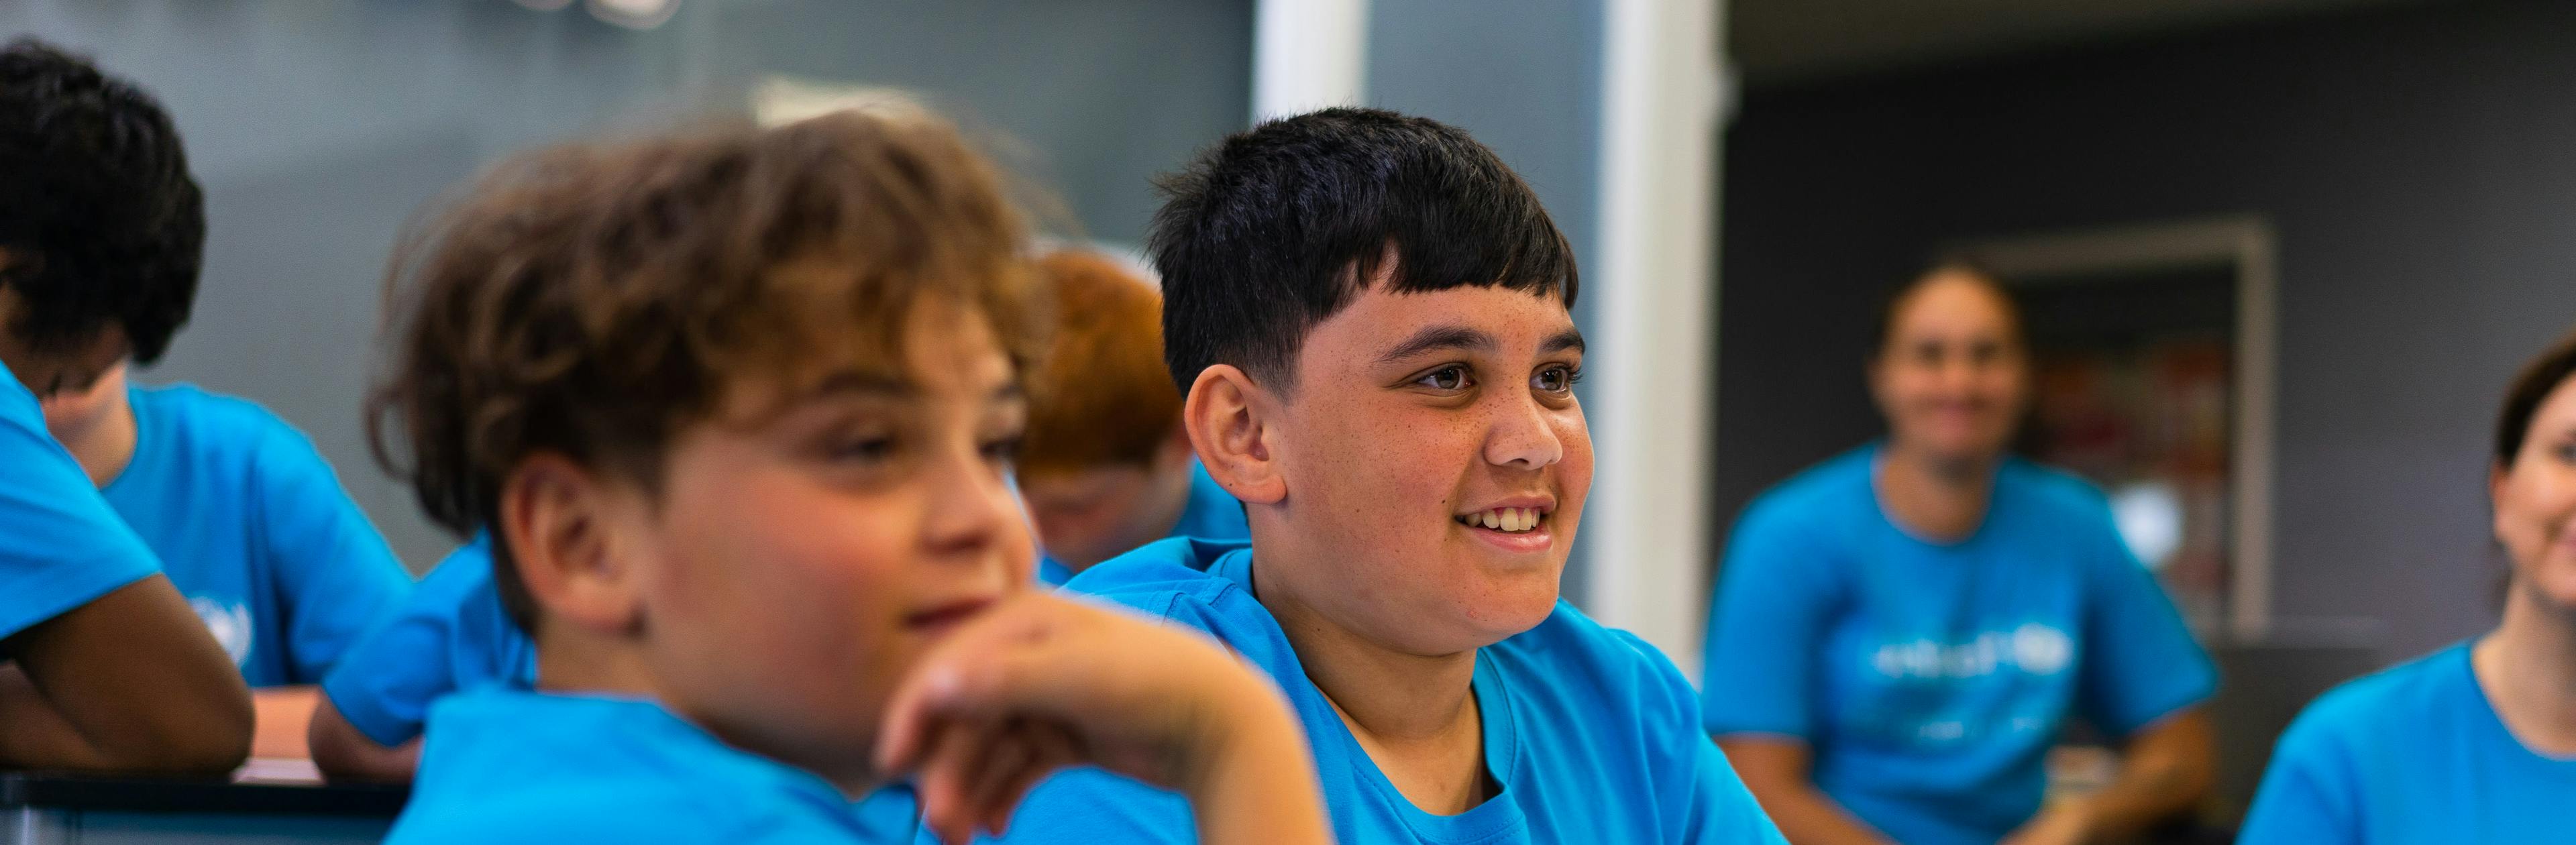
column 2418, row 165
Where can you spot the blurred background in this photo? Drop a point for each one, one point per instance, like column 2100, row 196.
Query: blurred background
column 2281, row 256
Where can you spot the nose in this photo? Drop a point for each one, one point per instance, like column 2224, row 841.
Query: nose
column 971, row 509
column 1521, row 436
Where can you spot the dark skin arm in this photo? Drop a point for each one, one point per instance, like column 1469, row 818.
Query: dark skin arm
column 1775, row 768
column 2165, row 769
column 344, row 753
column 130, row 682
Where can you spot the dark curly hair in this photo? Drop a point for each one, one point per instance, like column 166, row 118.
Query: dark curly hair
column 100, row 219
column 595, row 300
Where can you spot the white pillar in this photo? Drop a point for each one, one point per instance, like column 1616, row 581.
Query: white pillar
column 1308, row 54
column 1648, row 518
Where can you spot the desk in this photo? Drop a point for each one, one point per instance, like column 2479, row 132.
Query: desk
column 54, row 809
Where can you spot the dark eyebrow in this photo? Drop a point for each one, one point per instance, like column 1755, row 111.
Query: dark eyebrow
column 1561, row 341
column 1439, row 337
column 861, row 382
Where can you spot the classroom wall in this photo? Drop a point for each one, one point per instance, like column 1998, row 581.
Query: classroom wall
column 318, row 128
column 2419, row 166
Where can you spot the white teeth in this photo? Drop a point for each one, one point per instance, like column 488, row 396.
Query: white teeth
column 1512, row 520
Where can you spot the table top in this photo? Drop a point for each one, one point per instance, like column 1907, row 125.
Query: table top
column 60, row 791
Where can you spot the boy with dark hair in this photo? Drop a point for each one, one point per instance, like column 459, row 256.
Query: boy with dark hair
column 1106, row 468
column 737, row 409
column 100, row 232
column 1369, row 313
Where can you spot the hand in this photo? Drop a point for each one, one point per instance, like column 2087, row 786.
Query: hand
column 2067, row 822
column 1040, row 683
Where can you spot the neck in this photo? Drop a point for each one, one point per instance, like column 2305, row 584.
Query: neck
column 1937, row 497
column 104, row 448
column 1415, row 714
column 2527, row 668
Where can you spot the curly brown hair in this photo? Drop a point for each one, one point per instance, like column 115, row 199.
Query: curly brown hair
column 593, row 300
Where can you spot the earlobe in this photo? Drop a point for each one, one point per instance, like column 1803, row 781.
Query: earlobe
column 1224, row 417
column 557, row 518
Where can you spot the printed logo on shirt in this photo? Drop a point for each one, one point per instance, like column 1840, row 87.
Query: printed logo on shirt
column 229, row 623
column 2034, row 648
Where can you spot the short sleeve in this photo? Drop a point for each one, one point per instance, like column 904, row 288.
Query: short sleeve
column 2140, row 662
column 61, row 545
column 338, row 575
column 1776, row 593
column 386, row 682
column 2307, row 796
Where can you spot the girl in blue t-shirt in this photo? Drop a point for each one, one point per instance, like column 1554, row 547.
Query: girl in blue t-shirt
column 2476, row 742
column 1900, row 633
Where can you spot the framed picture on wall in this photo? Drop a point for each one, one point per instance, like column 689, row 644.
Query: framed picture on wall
column 2153, row 374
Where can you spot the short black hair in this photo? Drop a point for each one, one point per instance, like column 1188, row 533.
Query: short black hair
column 1275, row 229
column 100, row 219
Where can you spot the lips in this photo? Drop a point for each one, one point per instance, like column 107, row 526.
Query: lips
column 945, row 615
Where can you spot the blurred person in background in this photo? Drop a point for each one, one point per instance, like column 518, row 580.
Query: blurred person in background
column 250, row 523
column 101, row 232
column 2476, row 742
column 1106, row 467
column 1900, row 633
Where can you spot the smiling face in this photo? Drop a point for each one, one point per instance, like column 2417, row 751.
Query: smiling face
column 1952, row 375
column 2535, row 502
column 1435, row 462
column 799, row 560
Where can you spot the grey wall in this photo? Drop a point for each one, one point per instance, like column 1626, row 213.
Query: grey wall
column 1526, row 81
column 319, row 127
column 2418, row 164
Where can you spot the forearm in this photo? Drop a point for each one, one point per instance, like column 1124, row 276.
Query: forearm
column 2166, row 770
column 1261, row 786
column 130, row 682
column 342, row 752
column 1807, row 816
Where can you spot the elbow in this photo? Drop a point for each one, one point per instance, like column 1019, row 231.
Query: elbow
column 210, row 737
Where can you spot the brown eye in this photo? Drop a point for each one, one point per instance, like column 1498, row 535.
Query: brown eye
column 1445, row 378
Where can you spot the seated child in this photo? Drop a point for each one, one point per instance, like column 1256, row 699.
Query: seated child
column 1370, row 315
column 737, row 409
column 1106, row 468
column 250, row 524
column 101, row 228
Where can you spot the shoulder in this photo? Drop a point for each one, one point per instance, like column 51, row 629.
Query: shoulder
column 2052, row 491
column 2393, row 702
column 213, row 426
column 1160, row 576
column 464, row 571
column 1817, row 493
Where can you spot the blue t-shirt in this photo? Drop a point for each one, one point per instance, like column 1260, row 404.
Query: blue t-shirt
column 505, row 765
column 1212, row 514
column 253, row 527
column 1592, row 735
column 2413, row 753
column 60, row 544
column 1930, row 679
column 451, row 635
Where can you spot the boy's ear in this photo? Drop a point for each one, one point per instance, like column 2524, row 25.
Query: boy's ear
column 1228, row 418
column 560, row 521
